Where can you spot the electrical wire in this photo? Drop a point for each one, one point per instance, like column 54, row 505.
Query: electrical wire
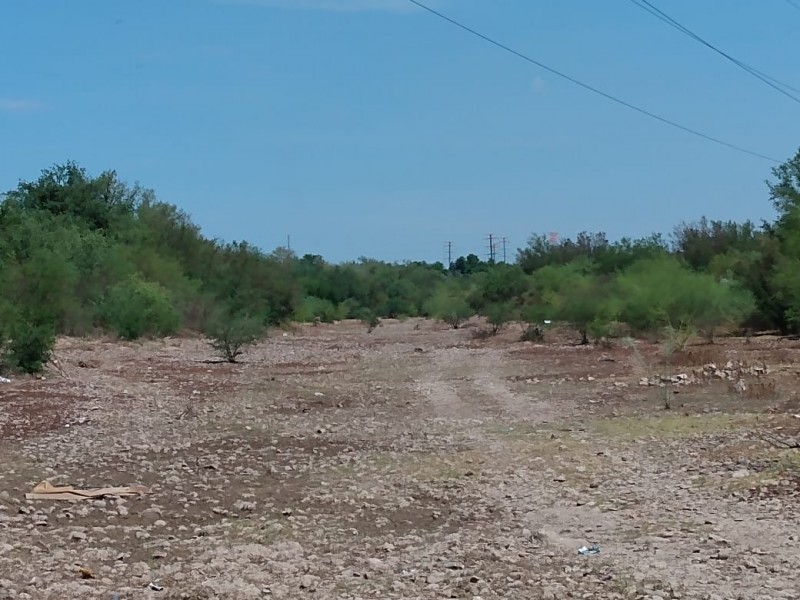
column 590, row 88
column 770, row 81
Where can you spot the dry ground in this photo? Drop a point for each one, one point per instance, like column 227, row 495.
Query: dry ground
column 414, row 462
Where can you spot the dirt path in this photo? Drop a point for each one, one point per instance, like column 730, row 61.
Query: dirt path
column 649, row 519
column 465, row 384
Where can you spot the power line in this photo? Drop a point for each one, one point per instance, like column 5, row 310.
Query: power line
column 592, row 89
column 775, row 84
column 653, row 10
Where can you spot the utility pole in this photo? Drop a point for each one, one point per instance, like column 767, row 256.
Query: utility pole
column 491, row 247
column 449, row 254
column 289, row 243
column 505, row 240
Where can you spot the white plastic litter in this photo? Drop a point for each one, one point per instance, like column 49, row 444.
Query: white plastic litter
column 4, row 380
column 589, row 550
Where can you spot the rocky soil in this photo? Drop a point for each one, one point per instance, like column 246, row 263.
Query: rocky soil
column 413, row 462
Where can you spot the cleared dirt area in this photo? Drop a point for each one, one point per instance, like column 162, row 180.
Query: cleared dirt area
column 413, row 462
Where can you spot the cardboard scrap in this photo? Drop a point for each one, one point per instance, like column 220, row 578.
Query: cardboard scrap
column 47, row 491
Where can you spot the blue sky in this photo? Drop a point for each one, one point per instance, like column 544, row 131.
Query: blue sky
column 369, row 127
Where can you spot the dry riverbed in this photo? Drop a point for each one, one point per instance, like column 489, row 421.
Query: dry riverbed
column 413, row 462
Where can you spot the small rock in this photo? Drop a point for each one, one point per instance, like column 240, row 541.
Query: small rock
column 436, row 577
column 309, row 583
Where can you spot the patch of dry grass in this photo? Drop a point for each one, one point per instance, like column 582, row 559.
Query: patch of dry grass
column 671, row 425
column 783, row 464
column 439, row 467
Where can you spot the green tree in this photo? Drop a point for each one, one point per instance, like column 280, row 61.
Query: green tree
column 498, row 315
column 30, row 346
column 449, row 305
column 101, row 202
column 573, row 294
column 660, row 293
column 313, row 309
column 501, row 284
column 785, row 282
column 586, row 304
column 134, row 308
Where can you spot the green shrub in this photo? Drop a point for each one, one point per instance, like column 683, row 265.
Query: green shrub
column 134, row 308
column 349, row 309
column 313, row 309
column 449, row 305
column 498, row 315
column 370, row 320
column 663, row 293
column 231, row 333
column 30, row 346
column 532, row 333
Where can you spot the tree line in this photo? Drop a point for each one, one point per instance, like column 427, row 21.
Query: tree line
column 82, row 253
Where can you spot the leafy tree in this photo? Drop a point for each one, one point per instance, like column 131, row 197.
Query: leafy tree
column 785, row 282
column 30, row 346
column 67, row 190
column 502, row 284
column 592, row 249
column 313, row 309
column 699, row 243
column 725, row 303
column 620, row 255
column 135, row 308
column 370, row 320
column 785, row 190
column 571, row 293
column 661, row 293
column 586, row 305
column 449, row 305
column 498, row 315
column 468, row 265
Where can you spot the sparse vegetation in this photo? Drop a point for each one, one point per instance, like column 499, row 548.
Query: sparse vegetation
column 371, row 320
column 231, row 333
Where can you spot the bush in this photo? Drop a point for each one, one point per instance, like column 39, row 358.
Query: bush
column 6, row 319
column 312, row 310
column 450, row 306
column 370, row 320
column 532, row 333
column 349, row 309
column 497, row 315
column 134, row 308
column 663, row 293
column 231, row 333
column 30, row 346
